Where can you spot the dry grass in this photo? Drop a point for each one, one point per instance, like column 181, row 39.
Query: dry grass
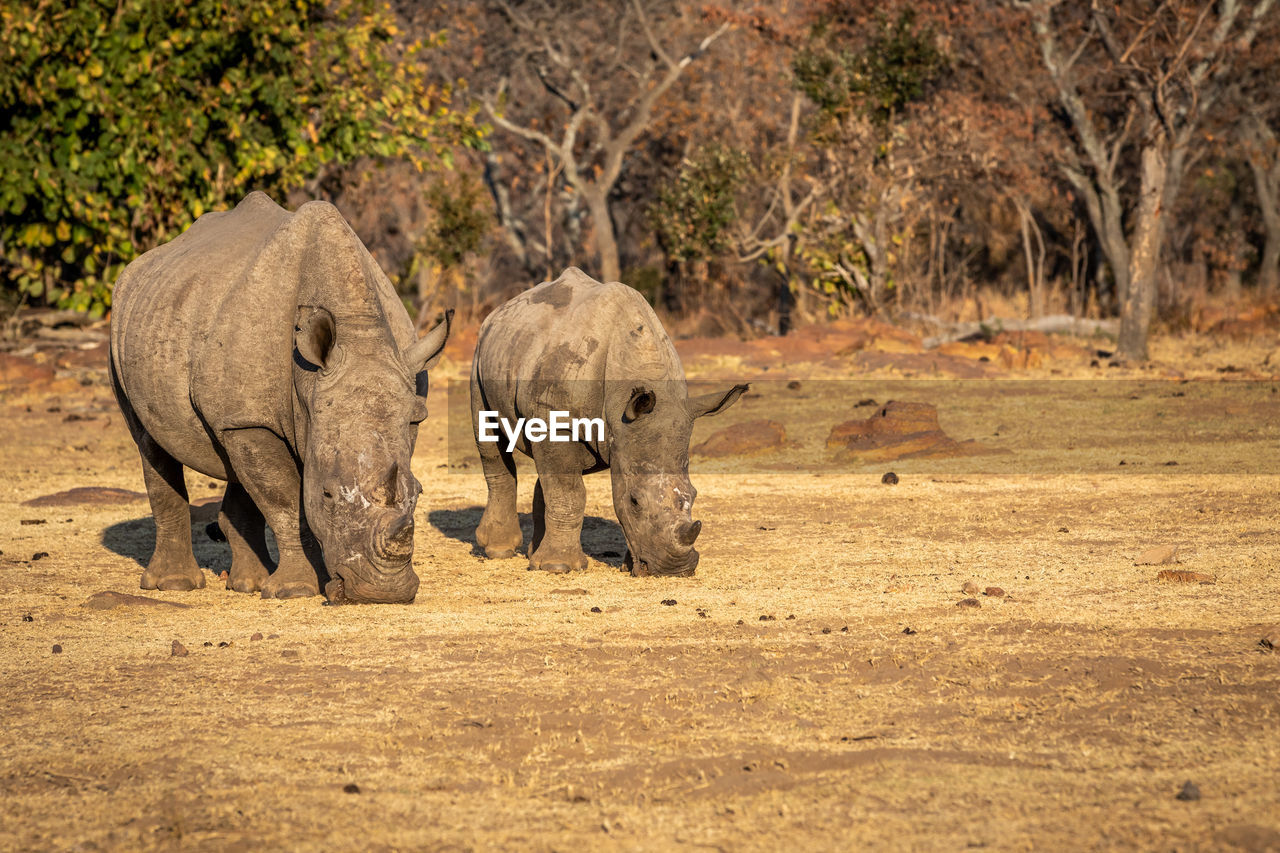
column 500, row 710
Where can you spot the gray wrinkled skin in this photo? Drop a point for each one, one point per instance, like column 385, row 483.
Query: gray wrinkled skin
column 266, row 348
column 594, row 350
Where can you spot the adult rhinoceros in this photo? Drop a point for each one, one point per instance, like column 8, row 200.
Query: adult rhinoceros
column 266, row 348
column 590, row 351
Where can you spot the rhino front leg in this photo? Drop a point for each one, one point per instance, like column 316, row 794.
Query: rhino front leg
column 264, row 465
column 245, row 528
column 499, row 530
column 559, row 501
column 172, row 565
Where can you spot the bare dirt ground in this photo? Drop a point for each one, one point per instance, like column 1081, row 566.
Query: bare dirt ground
column 815, row 685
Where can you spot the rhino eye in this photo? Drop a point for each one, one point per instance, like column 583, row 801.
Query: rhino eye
column 635, row 504
column 328, row 495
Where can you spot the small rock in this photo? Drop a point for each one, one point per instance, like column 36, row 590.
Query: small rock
column 39, row 555
column 224, row 644
column 908, row 631
column 791, row 616
column 844, row 630
column 207, row 644
column 351, row 788
column 596, row 610
column 865, row 401
column 767, row 618
column 27, row 617
column 257, row 635
column 177, row 650
column 1271, row 639
column 826, row 630
column 57, row 649
column 1063, row 530
column 970, row 588
column 669, row 602
column 889, row 479
column 33, row 521
column 968, row 602
column 1190, row 792
column 1159, row 556
column 577, row 590
column 289, row 653
column 993, row 592
column 794, row 384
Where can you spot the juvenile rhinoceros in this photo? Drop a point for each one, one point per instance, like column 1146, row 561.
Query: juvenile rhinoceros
column 590, row 350
column 266, row 348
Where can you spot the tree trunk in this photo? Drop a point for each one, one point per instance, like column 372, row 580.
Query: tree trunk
column 1266, row 182
column 605, row 238
column 1144, row 261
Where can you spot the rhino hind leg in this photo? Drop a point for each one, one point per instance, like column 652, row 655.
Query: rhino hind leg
column 558, row 507
column 172, row 565
column 245, row 529
column 265, row 467
column 498, row 533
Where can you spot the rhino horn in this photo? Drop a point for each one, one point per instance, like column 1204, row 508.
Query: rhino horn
column 396, row 542
column 689, row 534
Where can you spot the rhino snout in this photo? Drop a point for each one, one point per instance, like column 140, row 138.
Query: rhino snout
column 393, row 542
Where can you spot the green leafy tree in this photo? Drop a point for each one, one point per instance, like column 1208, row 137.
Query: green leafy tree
column 122, row 121
column 695, row 209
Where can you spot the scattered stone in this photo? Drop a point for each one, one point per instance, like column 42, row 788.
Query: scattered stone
column 844, row 630
column 257, row 635
column 767, row 618
column 898, row 430
column 109, row 600
column 577, row 590
column 1161, row 555
column 791, row 616
column 1063, row 530
column 57, row 649
column 866, row 401
column 993, row 592
column 968, row 602
column 207, row 644
column 351, row 788
column 39, row 555
column 33, row 521
column 669, row 602
column 970, row 588
column 289, row 653
column 80, row 495
column 826, row 630
column 224, row 644
column 27, row 617
column 794, row 384
column 1189, row 793
column 177, row 650
column 889, row 479
column 908, row 631
column 1271, row 639
column 1183, row 576
column 745, row 438
column 596, row 610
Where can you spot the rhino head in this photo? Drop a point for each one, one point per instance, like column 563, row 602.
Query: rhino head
column 362, row 398
column 649, row 467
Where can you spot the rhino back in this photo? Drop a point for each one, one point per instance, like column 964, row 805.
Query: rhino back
column 556, row 344
column 202, row 327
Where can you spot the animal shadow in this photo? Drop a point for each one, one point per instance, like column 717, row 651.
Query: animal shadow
column 602, row 538
column 136, row 539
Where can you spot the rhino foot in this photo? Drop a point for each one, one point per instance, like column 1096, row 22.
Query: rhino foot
column 553, row 568
column 499, row 553
column 291, row 581
column 173, row 580
column 247, row 583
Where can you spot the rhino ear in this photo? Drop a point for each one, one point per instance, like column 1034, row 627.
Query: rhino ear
column 423, row 353
column 313, row 334
column 641, row 403
column 715, row 402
